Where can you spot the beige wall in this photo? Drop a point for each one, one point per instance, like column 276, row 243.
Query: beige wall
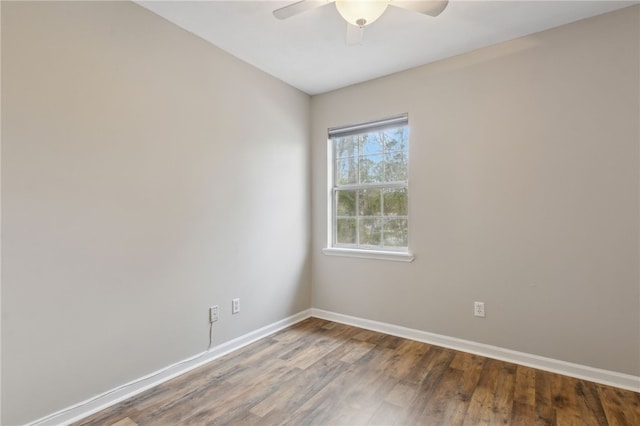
column 146, row 175
column 524, row 194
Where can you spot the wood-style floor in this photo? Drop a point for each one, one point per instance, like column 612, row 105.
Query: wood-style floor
column 324, row 373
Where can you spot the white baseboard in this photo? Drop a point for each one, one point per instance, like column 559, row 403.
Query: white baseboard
column 606, row 377
column 113, row 396
column 106, row 399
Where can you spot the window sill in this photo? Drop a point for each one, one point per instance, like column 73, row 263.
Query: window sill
column 369, row 254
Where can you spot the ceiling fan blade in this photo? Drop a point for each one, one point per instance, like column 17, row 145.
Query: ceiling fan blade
column 354, row 34
column 297, row 8
column 428, row 7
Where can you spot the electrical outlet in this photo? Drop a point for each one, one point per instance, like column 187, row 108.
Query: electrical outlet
column 235, row 306
column 478, row 309
column 213, row 313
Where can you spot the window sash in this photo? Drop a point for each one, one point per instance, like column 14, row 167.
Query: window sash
column 359, row 218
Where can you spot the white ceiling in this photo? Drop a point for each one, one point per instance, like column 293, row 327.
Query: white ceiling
column 308, row 51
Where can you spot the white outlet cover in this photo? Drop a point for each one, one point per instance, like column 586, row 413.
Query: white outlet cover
column 213, row 313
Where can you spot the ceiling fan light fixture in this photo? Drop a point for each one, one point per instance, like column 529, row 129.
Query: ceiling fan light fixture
column 361, row 12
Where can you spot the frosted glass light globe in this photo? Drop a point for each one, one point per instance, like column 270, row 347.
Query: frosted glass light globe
column 361, row 12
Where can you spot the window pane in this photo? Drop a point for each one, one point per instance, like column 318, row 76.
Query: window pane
column 396, row 139
column 346, row 147
column 371, row 143
column 370, row 231
column 369, row 202
column 395, row 202
column 396, row 166
column 346, row 170
column 371, row 169
column 346, row 231
column 346, row 203
column 395, row 232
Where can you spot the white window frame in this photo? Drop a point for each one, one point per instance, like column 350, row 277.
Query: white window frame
column 400, row 254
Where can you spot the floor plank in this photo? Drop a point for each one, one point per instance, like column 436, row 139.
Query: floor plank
column 320, row 372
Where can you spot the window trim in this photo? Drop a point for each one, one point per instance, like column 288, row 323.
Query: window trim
column 402, row 255
column 398, row 256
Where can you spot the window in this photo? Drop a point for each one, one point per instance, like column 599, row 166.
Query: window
column 369, row 173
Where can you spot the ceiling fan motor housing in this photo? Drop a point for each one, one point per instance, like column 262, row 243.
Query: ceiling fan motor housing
column 360, row 12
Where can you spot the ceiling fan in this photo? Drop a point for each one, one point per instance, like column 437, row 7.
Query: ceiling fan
column 360, row 13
